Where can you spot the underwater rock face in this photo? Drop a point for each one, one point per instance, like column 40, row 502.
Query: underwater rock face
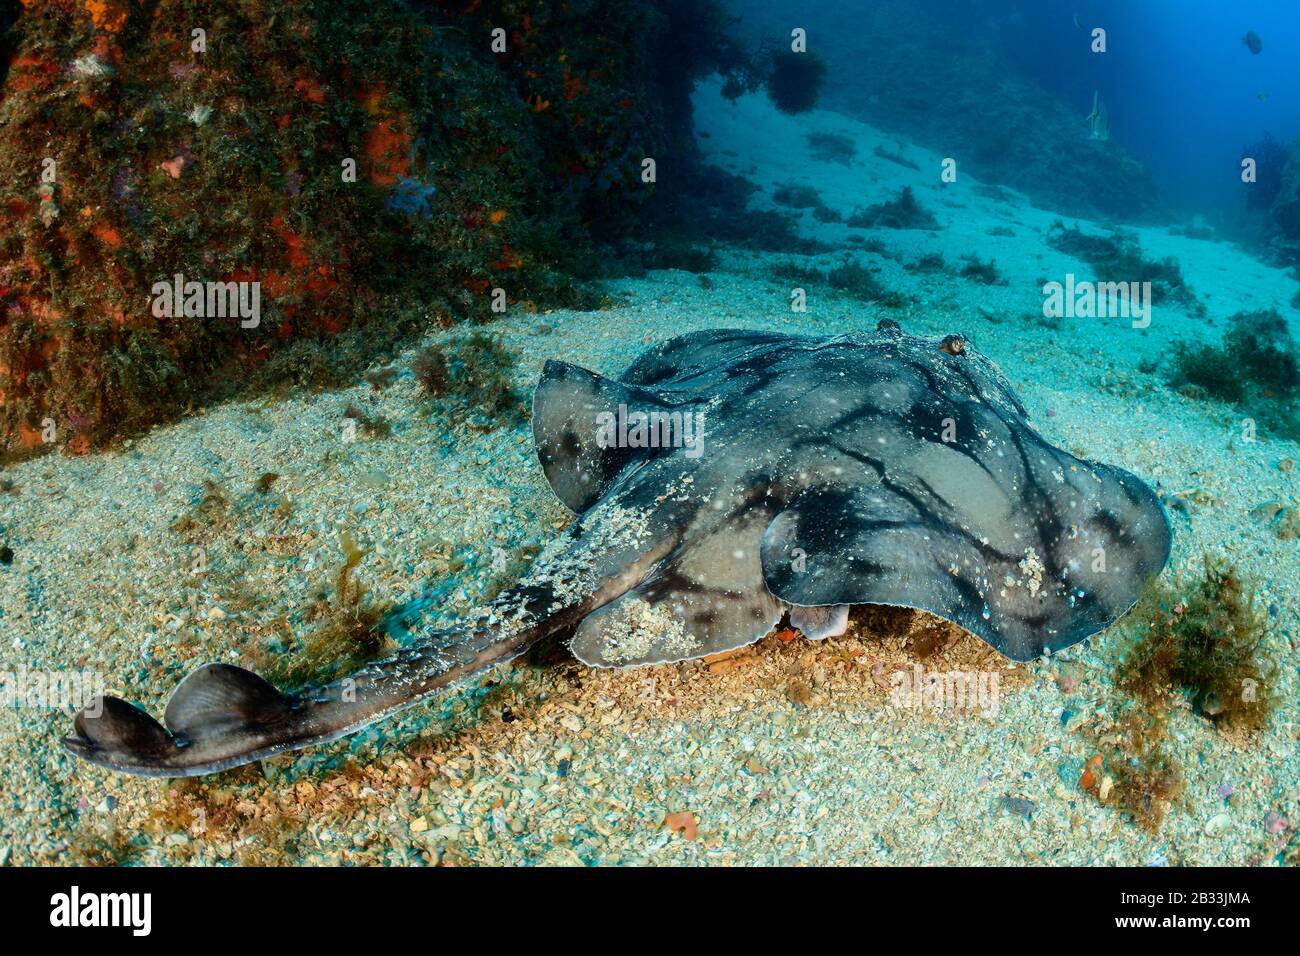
column 1286, row 206
column 726, row 477
column 359, row 193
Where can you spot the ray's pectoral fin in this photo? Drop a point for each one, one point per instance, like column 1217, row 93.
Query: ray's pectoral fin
column 1057, row 563
column 706, row 598
column 588, row 429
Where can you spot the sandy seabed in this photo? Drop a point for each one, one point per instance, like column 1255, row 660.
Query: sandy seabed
column 786, row 752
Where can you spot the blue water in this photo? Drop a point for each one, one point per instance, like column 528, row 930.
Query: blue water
column 1182, row 88
column 1184, row 94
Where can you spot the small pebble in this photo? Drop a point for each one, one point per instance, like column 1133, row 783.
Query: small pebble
column 683, row 823
column 1069, row 771
column 1274, row 822
column 1019, row 806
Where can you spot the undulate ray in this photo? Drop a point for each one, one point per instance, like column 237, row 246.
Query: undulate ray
column 726, row 477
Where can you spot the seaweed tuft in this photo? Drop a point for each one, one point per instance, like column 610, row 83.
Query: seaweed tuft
column 856, row 280
column 978, row 270
column 904, row 212
column 1147, row 778
column 1206, row 639
column 794, row 80
column 1257, row 367
column 350, row 634
column 474, row 373
column 375, row 426
column 1118, row 257
column 930, row 262
column 1133, row 769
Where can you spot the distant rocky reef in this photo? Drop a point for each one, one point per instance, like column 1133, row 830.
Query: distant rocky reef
column 1284, row 212
column 956, row 92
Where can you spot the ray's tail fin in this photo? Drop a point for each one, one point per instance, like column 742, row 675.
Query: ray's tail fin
column 221, row 716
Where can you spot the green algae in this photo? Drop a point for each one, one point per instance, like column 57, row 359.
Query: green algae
column 1205, row 638
column 473, row 375
column 1118, row 257
column 1257, row 368
column 902, row 212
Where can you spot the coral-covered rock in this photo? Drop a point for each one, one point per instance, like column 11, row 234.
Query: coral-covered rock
column 368, row 174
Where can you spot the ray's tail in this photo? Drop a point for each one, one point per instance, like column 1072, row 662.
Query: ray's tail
column 221, row 716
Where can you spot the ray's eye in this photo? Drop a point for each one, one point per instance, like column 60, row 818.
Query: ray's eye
column 953, row 344
column 888, row 325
